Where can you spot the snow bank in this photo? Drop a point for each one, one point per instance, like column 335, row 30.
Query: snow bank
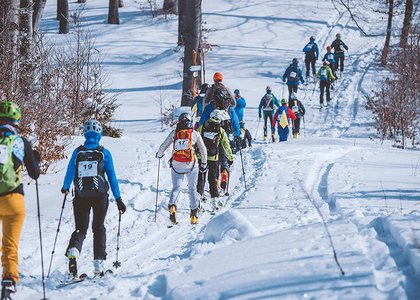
column 231, row 224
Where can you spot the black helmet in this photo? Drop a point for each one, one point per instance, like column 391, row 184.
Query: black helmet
column 185, row 121
column 204, row 87
column 221, row 98
column 295, row 61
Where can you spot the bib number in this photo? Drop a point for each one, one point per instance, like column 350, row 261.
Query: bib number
column 324, row 73
column 4, row 154
column 181, row 144
column 210, row 135
column 88, row 169
column 295, row 109
column 293, row 74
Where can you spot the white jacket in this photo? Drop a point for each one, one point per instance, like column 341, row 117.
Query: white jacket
column 184, row 167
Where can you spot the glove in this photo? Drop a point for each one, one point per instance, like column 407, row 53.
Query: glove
column 203, row 167
column 37, row 155
column 238, row 140
column 121, row 205
column 230, row 162
column 259, row 116
column 157, row 155
column 284, row 80
column 64, row 191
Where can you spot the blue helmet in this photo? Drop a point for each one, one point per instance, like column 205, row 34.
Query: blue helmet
column 92, row 126
column 236, row 92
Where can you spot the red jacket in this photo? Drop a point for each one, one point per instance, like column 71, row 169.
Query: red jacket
column 290, row 114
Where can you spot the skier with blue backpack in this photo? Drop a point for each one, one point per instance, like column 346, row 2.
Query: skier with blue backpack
column 311, row 56
column 86, row 170
column 293, row 74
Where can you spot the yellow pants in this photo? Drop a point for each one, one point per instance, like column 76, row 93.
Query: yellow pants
column 12, row 214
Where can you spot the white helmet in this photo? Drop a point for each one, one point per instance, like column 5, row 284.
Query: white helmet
column 219, row 115
column 92, row 126
column 293, row 96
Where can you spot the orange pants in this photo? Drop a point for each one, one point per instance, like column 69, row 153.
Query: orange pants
column 12, row 214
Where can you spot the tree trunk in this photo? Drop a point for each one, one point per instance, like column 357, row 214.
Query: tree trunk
column 39, row 6
column 407, row 23
column 113, row 16
column 192, row 44
column 63, row 16
column 170, row 7
column 26, row 69
column 120, row 3
column 387, row 46
column 182, row 6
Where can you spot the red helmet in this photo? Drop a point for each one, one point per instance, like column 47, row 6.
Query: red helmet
column 218, row 76
column 329, row 48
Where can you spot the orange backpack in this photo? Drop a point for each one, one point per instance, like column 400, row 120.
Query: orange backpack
column 183, row 147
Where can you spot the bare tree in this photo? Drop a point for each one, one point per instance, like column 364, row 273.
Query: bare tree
column 385, row 50
column 63, row 13
column 192, row 44
column 408, row 15
column 113, row 16
column 39, row 6
column 182, row 6
column 170, row 7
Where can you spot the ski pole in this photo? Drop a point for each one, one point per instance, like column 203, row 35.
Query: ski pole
column 258, row 127
column 116, row 263
column 243, row 169
column 303, row 119
column 157, row 189
column 56, row 235
column 282, row 92
column 40, row 239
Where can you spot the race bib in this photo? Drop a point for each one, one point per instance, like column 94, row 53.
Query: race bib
column 4, row 154
column 293, row 74
column 295, row 109
column 88, row 169
column 324, row 72
column 210, row 135
column 330, row 56
column 230, row 136
column 181, row 144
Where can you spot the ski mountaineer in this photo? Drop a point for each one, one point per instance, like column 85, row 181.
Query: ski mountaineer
column 86, row 169
column 311, row 56
column 282, row 118
column 330, row 57
column 214, row 137
column 240, row 105
column 197, row 106
column 326, row 77
column 245, row 137
column 299, row 110
column 218, row 84
column 293, row 74
column 184, row 141
column 268, row 105
column 338, row 46
column 15, row 151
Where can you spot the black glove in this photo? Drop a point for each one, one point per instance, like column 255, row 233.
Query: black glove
column 121, row 205
column 64, row 191
column 230, row 162
column 37, row 155
column 203, row 167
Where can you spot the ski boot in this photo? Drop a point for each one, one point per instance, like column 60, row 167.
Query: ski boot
column 172, row 213
column 295, row 135
column 73, row 256
column 7, row 289
column 223, row 183
column 265, row 138
column 194, row 216
column 273, row 138
column 98, row 267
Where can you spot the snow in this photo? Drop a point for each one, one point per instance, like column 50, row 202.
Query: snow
column 268, row 241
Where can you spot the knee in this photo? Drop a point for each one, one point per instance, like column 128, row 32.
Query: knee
column 98, row 228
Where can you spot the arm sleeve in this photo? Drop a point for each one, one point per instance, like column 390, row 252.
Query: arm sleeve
column 302, row 108
column 331, row 74
column 31, row 163
column 201, row 146
column 166, row 143
column 206, row 114
column 345, row 46
column 260, row 107
column 235, row 122
column 276, row 101
column 318, row 73
column 110, row 173
column 316, row 51
column 291, row 114
column 285, row 74
column 225, row 144
column 275, row 118
column 71, row 171
column 301, row 77
column 248, row 137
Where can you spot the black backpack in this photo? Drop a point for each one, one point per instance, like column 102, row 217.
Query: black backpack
column 211, row 136
column 90, row 174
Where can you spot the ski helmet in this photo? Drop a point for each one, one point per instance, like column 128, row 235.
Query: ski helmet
column 219, row 115
column 312, row 38
column 236, row 92
column 294, row 61
column 10, row 110
column 329, row 48
column 185, row 120
column 218, row 76
column 293, row 96
column 338, row 36
column 92, row 126
column 204, row 87
column 283, row 101
column 221, row 99
column 268, row 89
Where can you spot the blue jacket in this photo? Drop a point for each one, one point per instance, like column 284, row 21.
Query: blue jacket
column 92, row 142
column 233, row 118
column 199, row 101
column 311, row 50
column 239, row 108
column 293, row 81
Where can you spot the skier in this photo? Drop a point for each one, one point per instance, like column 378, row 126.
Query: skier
column 183, row 163
column 240, row 105
column 218, row 84
column 338, row 46
column 197, row 104
column 268, row 105
column 293, row 74
column 299, row 110
column 245, row 136
column 330, row 57
column 311, row 55
column 325, row 76
column 86, row 169
column 282, row 118
column 214, row 137
column 15, row 151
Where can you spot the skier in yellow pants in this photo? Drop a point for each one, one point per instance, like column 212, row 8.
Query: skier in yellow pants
column 14, row 152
